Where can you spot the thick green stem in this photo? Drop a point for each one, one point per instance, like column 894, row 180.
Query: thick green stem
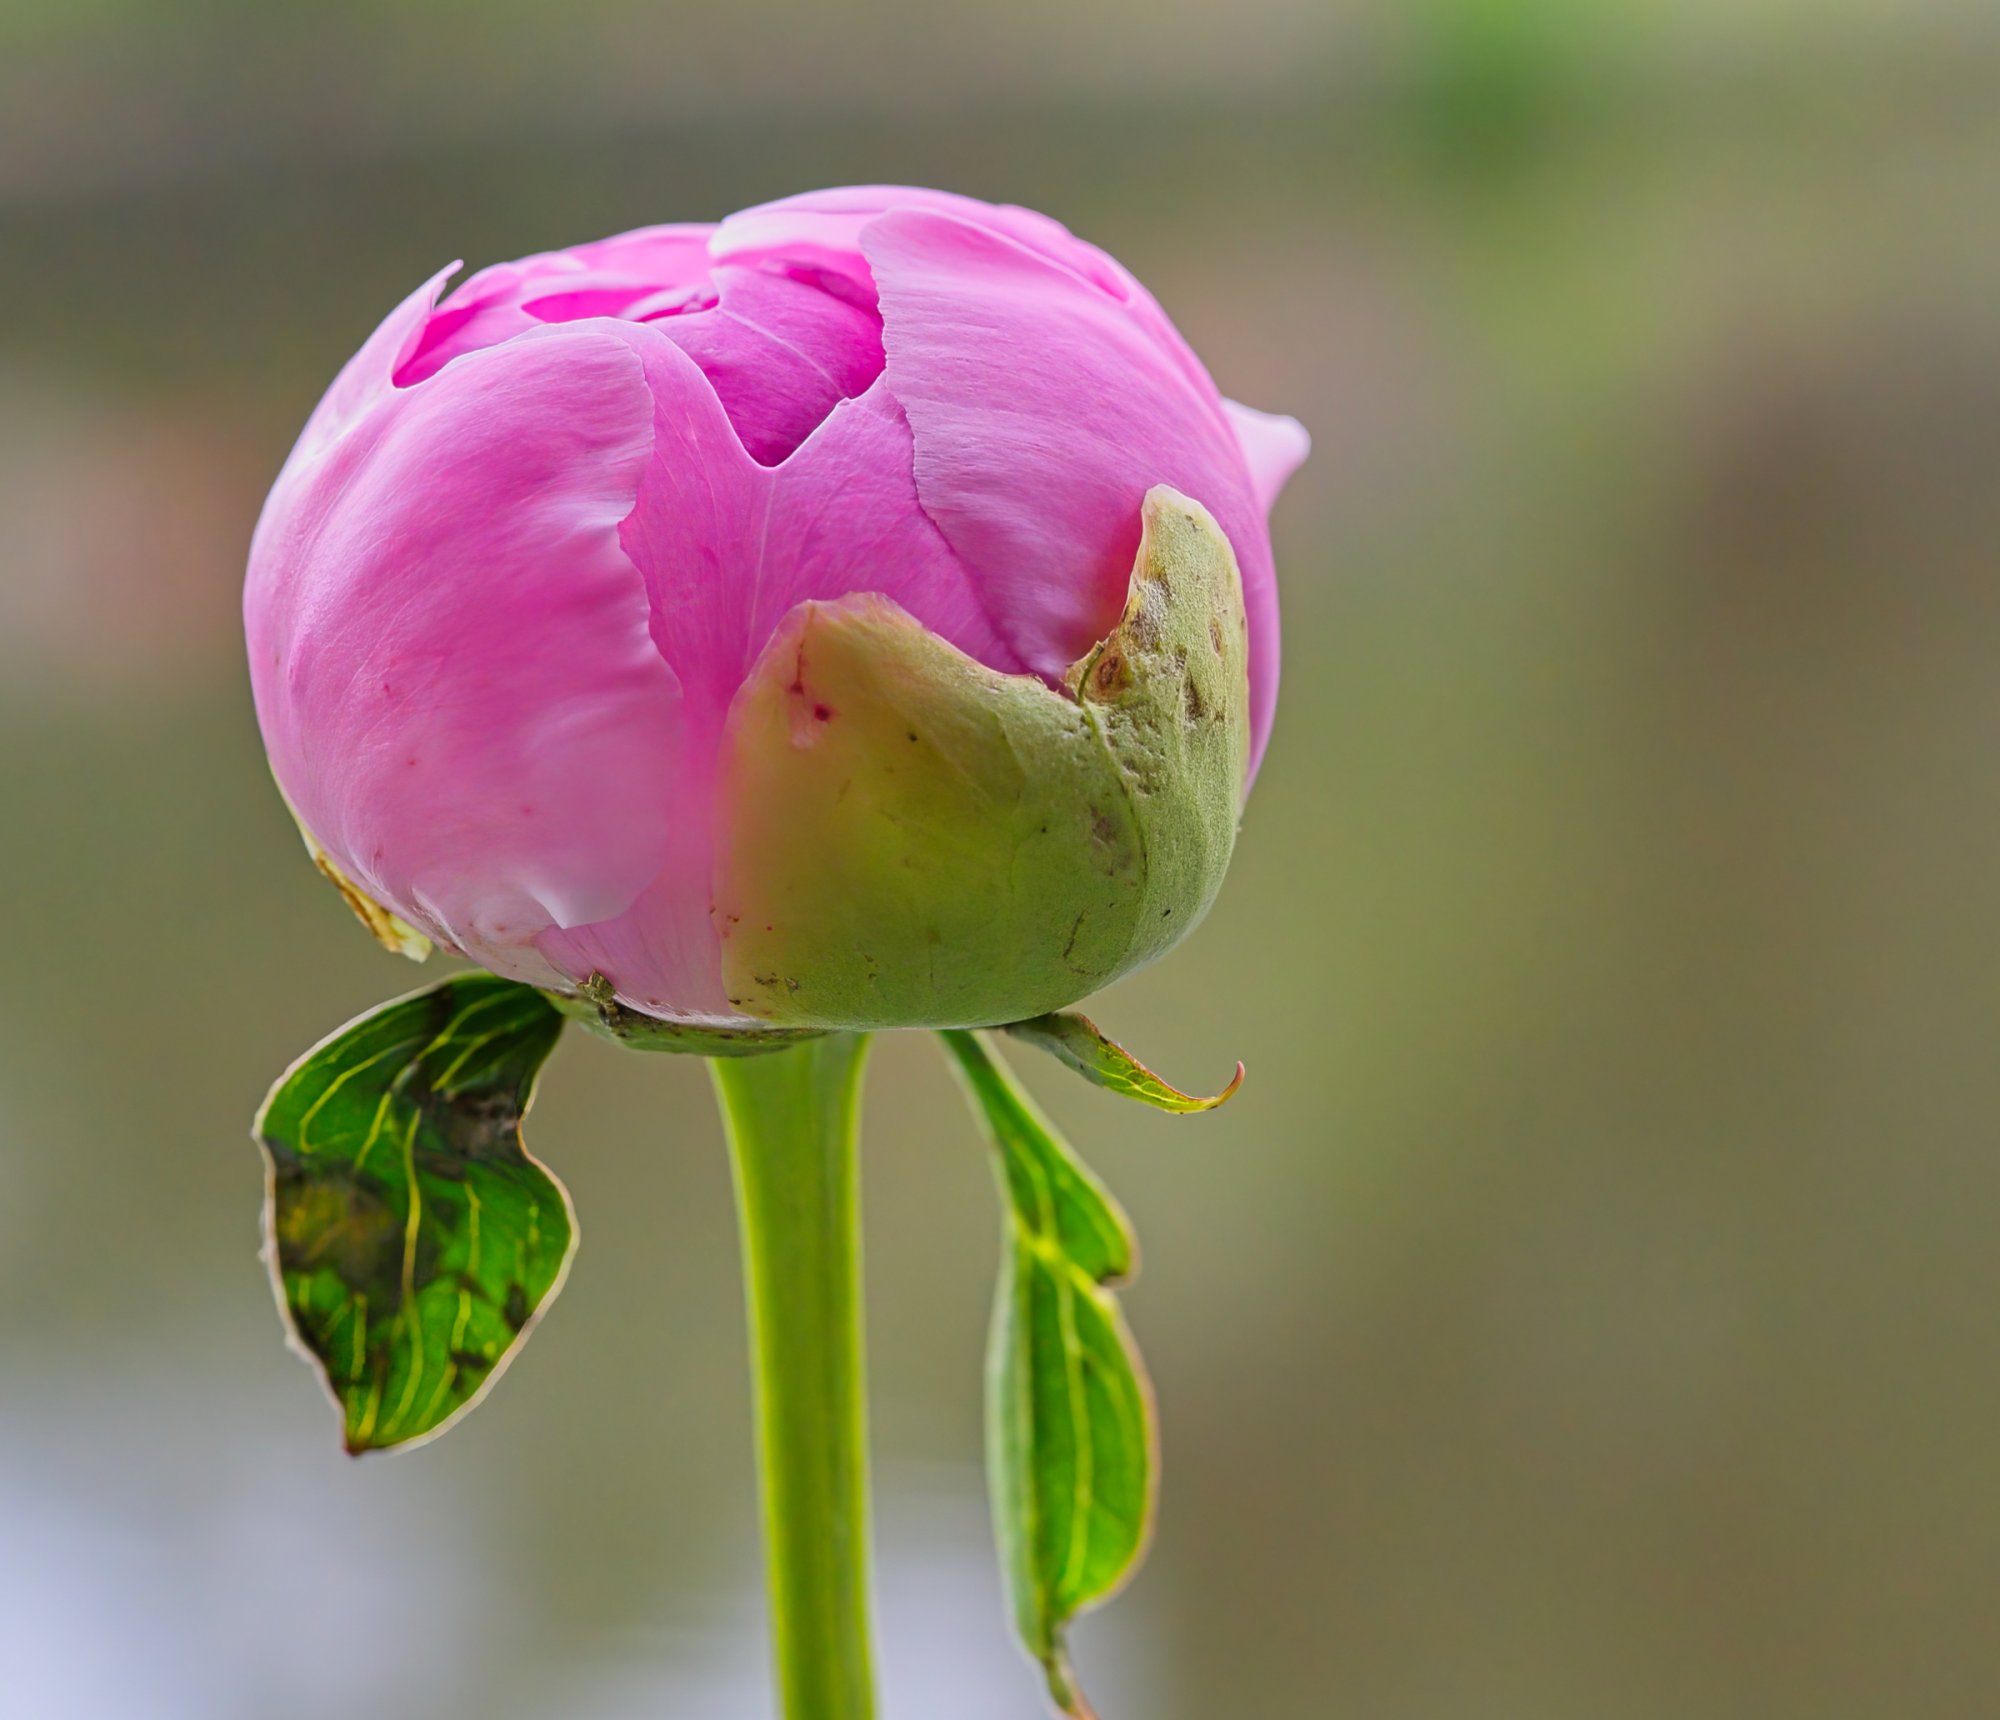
column 793, row 1120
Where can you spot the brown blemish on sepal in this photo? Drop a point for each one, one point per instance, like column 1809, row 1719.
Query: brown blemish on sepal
column 395, row 935
column 595, row 1003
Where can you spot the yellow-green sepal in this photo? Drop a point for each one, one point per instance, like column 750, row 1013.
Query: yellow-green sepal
column 909, row 838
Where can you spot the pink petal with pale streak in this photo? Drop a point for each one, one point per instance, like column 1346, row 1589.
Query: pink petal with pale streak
column 452, row 654
column 1274, row 447
column 1042, row 414
column 677, row 251
column 728, row 547
column 822, row 229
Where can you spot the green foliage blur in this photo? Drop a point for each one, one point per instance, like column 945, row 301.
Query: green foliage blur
column 1585, row 1309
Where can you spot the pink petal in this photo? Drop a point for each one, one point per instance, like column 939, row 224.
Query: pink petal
column 1274, row 447
column 1043, row 411
column 673, row 252
column 598, row 279
column 370, row 373
column 594, row 294
column 483, row 311
column 452, row 654
column 727, row 548
column 823, row 229
column 780, row 348
column 781, row 353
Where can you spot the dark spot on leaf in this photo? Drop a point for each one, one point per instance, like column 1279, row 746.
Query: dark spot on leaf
column 515, row 1309
column 333, row 1220
column 477, row 1125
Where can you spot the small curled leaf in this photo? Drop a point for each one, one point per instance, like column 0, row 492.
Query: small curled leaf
column 413, row 1241
column 1078, row 1041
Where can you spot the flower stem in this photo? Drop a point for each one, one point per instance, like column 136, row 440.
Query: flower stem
column 793, row 1121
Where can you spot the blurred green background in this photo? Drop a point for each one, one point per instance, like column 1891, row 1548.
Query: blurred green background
column 1587, row 1309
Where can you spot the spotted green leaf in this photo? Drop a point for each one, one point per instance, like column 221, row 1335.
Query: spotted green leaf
column 1071, row 1447
column 1078, row 1041
column 412, row 1239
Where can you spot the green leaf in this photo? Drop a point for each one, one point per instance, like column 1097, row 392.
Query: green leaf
column 1078, row 1041
column 412, row 1239
column 1071, row 1446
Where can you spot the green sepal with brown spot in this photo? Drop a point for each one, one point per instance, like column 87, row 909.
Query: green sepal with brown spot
column 412, row 1240
column 908, row 838
column 1071, row 1443
column 1077, row 1041
column 596, row 1005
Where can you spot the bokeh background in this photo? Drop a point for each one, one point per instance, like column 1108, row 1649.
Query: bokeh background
column 1588, row 1308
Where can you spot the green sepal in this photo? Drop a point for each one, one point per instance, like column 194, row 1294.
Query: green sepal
column 1079, row 1042
column 412, row 1240
column 909, row 838
column 1072, row 1447
column 596, row 1005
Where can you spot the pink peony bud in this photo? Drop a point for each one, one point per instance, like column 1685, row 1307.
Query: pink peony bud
column 589, row 614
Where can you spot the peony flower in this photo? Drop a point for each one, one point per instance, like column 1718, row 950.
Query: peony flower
column 856, row 613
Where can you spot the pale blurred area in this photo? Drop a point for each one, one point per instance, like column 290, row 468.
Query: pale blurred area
column 1587, row 1311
